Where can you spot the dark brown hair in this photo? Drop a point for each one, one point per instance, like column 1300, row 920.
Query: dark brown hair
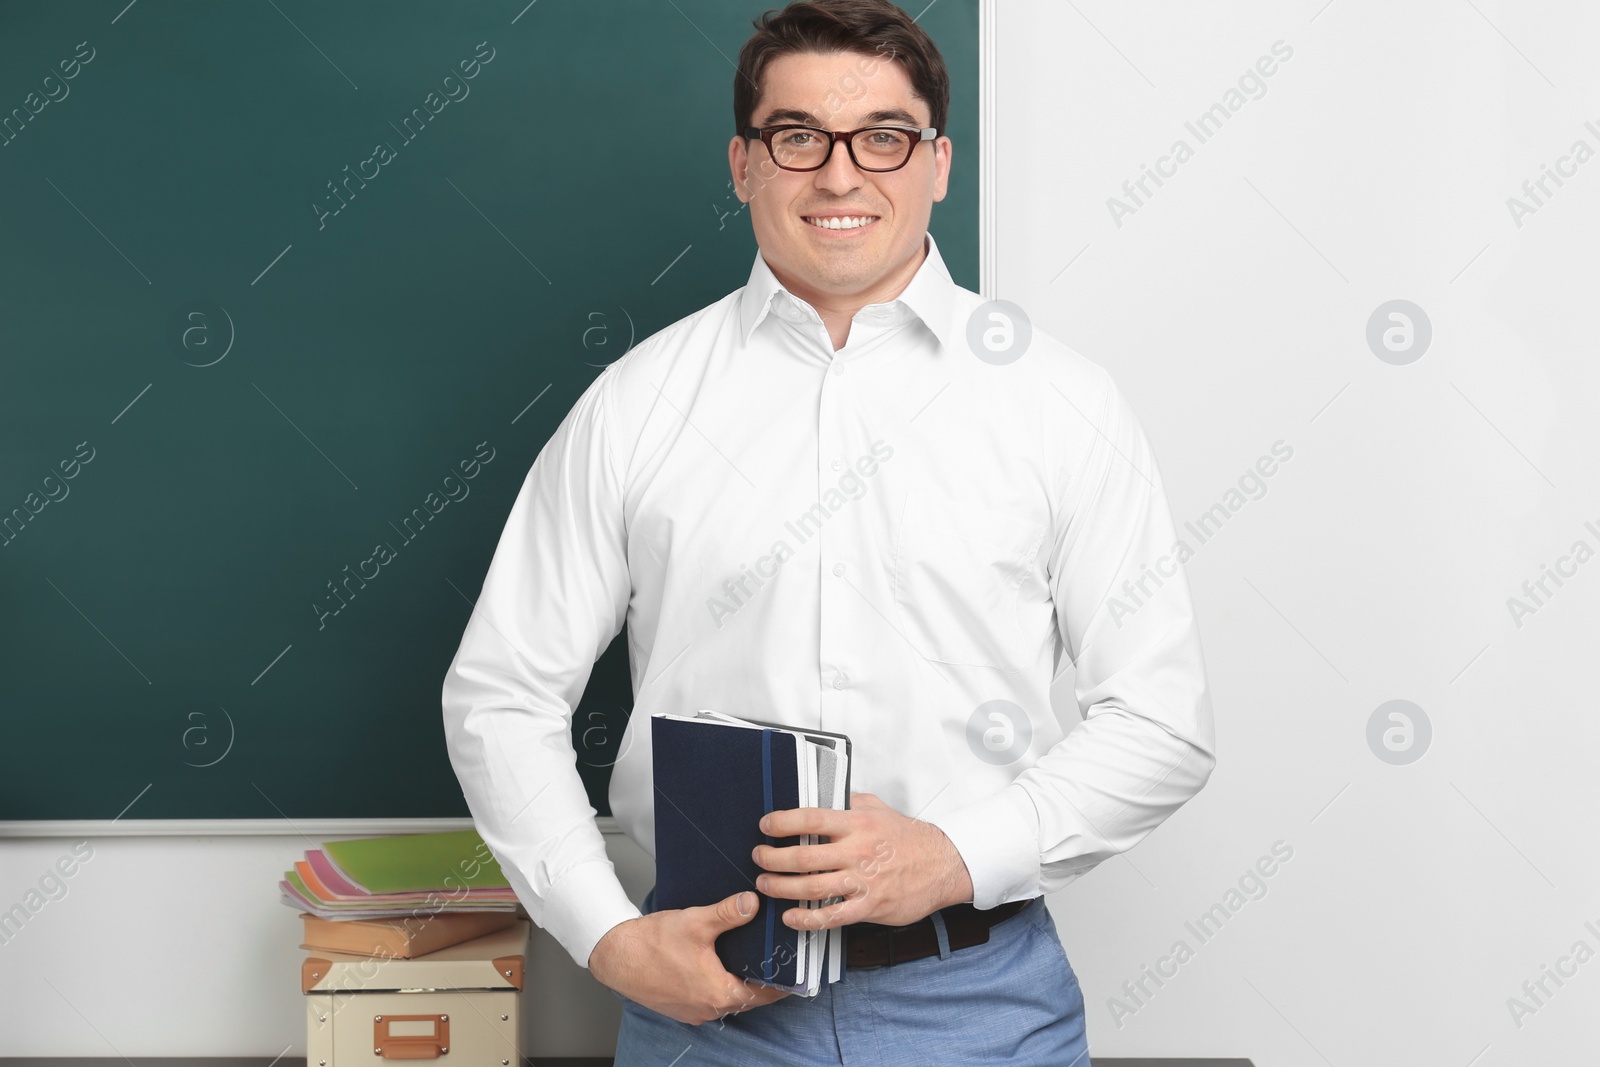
column 870, row 27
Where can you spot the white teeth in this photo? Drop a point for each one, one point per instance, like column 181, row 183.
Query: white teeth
column 846, row 222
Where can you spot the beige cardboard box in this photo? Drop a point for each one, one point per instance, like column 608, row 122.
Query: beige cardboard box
column 460, row 1004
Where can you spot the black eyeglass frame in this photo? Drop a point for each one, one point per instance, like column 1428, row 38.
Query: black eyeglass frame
column 764, row 135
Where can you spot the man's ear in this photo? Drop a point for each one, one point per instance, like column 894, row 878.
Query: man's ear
column 943, row 149
column 738, row 161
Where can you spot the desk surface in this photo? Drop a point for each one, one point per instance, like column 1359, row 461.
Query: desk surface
column 262, row 1061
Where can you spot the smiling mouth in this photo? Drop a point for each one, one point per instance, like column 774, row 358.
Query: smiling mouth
column 841, row 222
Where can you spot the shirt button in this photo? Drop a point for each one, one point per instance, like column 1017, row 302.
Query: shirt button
column 838, row 464
column 838, row 681
column 838, row 366
column 838, row 568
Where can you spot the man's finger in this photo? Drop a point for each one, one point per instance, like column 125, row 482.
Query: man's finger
column 840, row 914
column 848, row 881
column 827, row 857
column 791, row 822
column 744, row 994
column 725, row 914
column 812, row 886
column 750, row 994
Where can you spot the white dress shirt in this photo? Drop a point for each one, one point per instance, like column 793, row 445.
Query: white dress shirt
column 884, row 541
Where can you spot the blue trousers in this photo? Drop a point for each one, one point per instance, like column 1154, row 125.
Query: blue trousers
column 1011, row 1001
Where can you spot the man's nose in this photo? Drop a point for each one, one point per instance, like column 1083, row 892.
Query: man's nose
column 839, row 173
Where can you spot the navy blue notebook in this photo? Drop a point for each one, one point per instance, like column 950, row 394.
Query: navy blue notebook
column 713, row 783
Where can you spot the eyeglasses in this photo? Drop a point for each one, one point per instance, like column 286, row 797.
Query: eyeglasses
column 872, row 148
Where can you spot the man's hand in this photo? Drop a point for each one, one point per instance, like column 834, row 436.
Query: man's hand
column 888, row 867
column 668, row 962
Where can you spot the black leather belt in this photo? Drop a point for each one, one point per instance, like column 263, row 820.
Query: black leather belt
column 875, row 945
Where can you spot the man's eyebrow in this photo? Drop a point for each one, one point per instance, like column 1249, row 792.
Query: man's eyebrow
column 789, row 114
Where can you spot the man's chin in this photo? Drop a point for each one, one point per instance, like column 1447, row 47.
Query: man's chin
column 868, row 252
column 845, row 275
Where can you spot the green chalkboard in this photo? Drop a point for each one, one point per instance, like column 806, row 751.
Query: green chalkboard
column 224, row 384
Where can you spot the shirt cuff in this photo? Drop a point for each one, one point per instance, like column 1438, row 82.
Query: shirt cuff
column 998, row 839
column 582, row 907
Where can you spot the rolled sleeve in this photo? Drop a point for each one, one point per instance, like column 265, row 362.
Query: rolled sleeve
column 555, row 595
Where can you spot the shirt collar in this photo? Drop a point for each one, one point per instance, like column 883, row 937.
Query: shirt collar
column 928, row 296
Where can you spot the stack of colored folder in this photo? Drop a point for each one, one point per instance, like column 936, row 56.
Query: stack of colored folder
column 402, row 875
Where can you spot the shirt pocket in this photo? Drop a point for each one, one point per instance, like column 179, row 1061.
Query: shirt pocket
column 958, row 567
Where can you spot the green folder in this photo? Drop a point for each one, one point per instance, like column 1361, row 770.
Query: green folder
column 411, row 863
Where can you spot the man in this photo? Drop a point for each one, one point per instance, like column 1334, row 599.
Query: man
column 851, row 496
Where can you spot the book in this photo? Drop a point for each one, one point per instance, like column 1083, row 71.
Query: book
column 409, row 863
column 405, row 938
column 716, row 775
column 399, row 875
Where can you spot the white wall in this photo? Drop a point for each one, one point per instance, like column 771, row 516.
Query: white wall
column 1232, row 308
